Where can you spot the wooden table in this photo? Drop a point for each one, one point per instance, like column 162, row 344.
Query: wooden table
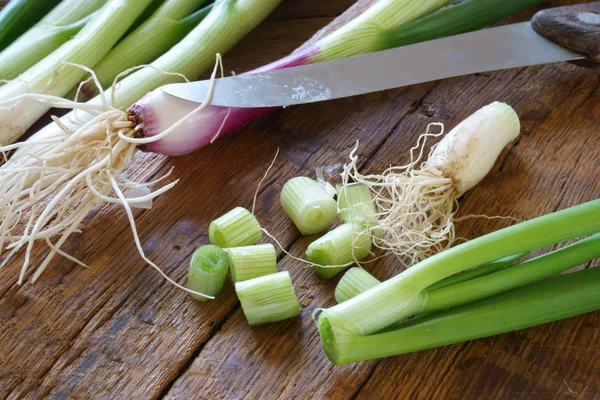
column 117, row 330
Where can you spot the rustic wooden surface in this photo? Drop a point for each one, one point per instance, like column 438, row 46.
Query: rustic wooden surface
column 116, row 330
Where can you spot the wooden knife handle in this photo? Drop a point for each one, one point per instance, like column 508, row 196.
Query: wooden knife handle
column 574, row 27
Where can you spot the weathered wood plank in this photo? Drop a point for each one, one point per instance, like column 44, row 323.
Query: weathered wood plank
column 117, row 330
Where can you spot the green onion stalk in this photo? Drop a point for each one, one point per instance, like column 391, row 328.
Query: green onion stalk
column 357, row 280
column 52, row 77
column 208, row 271
column 55, row 29
column 20, row 15
column 386, row 24
column 308, row 204
column 170, row 23
column 91, row 160
column 249, row 262
column 237, row 227
column 150, row 9
column 268, row 298
column 483, row 282
column 546, row 301
column 406, row 294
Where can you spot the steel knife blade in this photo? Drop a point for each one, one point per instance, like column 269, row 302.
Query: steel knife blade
column 508, row 46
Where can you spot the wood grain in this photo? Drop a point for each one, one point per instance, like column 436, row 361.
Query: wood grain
column 116, row 330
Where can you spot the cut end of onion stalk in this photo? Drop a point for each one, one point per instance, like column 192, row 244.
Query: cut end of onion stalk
column 208, row 271
column 236, row 228
column 308, row 204
column 249, row 262
column 353, row 283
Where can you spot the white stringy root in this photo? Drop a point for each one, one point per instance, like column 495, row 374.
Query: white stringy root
column 416, row 203
column 49, row 186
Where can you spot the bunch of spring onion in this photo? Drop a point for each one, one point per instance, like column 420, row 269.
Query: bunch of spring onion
column 81, row 156
column 55, row 29
column 386, row 24
column 19, row 15
column 73, row 165
column 366, row 324
column 56, row 75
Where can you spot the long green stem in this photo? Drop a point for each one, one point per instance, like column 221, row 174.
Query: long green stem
column 363, row 34
column 225, row 25
column 19, row 15
column 467, row 16
column 515, row 276
column 55, row 29
column 404, row 295
column 550, row 300
column 166, row 27
column 456, row 292
column 150, row 9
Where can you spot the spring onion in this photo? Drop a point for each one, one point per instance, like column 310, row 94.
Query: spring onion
column 550, row 300
column 405, row 294
column 19, row 15
column 355, row 281
column 51, row 76
column 416, row 202
column 94, row 172
column 208, row 271
column 170, row 23
column 236, row 228
column 55, row 29
column 386, row 24
column 268, row 298
column 338, row 249
column 248, row 262
column 308, row 204
column 514, row 276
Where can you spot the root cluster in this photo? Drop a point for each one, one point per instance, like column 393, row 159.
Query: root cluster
column 415, row 205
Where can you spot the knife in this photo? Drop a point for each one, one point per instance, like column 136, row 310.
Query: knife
column 560, row 34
